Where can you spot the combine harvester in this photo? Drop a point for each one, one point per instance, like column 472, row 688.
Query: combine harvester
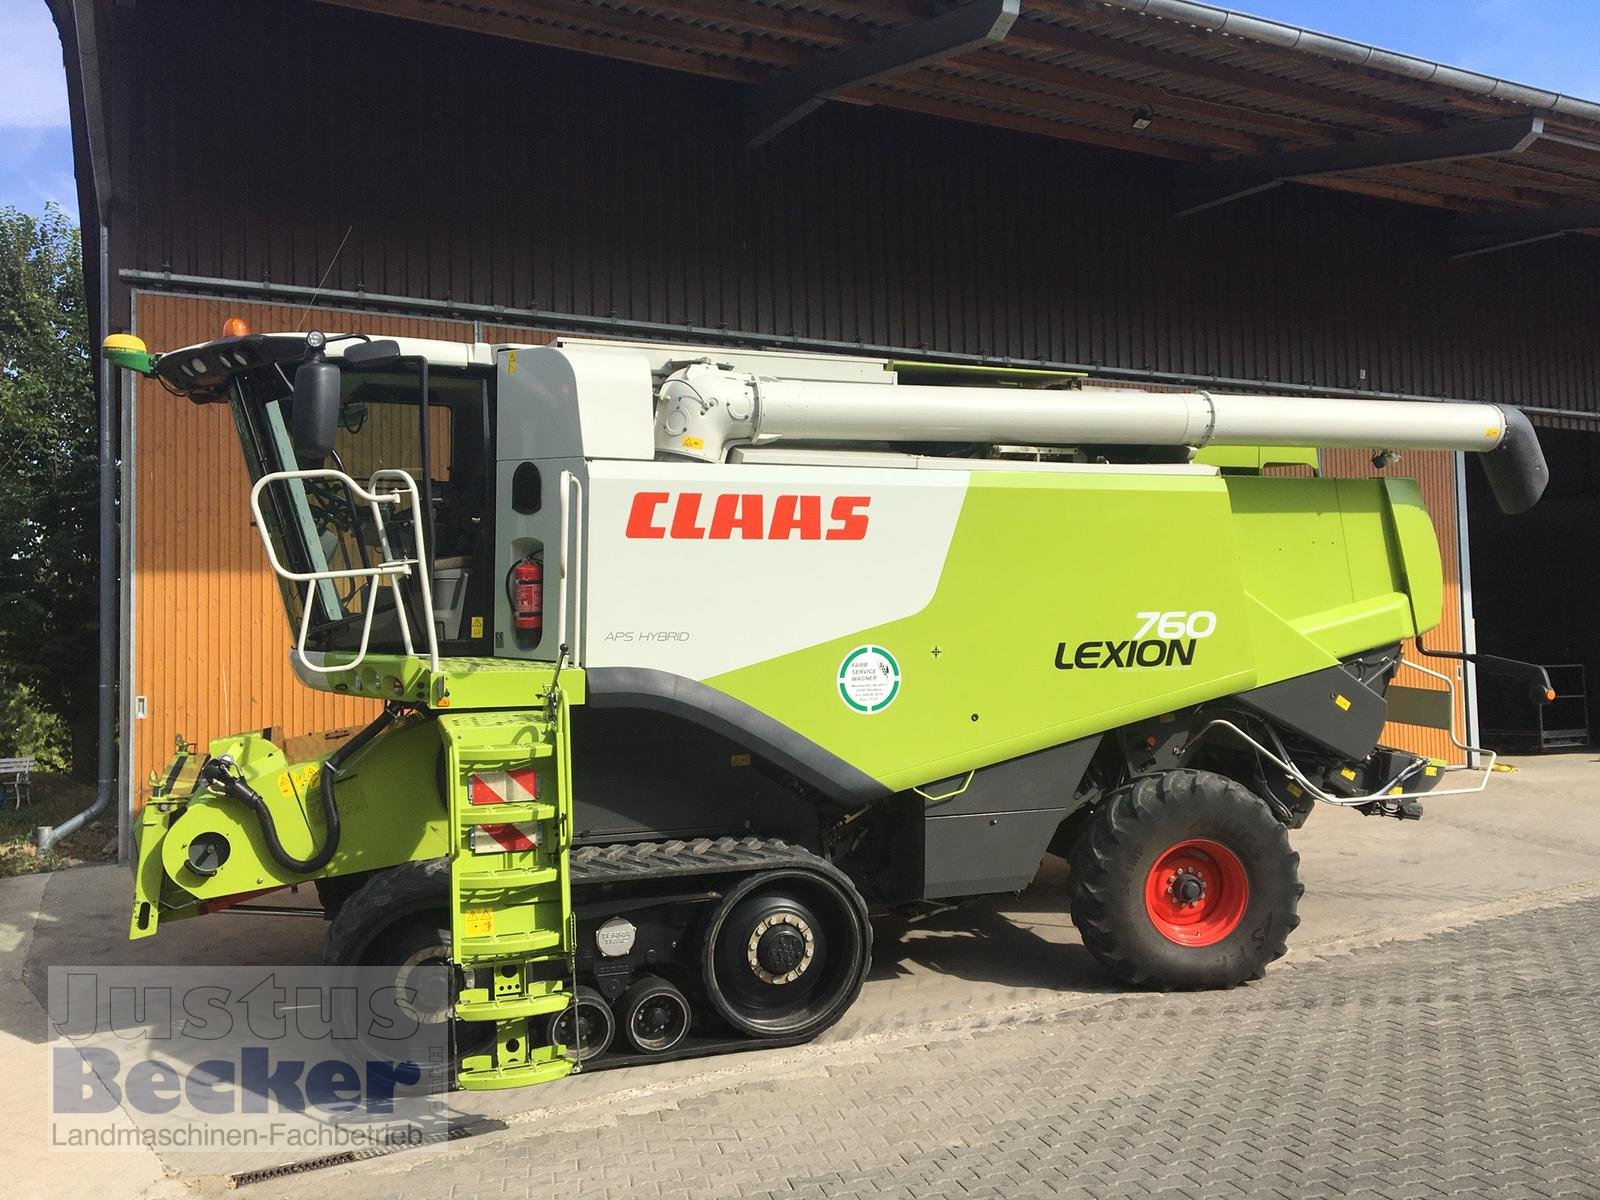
column 690, row 658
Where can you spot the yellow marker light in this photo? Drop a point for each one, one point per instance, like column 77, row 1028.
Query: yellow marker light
column 1342, row 703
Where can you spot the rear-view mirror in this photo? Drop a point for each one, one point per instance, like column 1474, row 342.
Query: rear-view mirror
column 315, row 418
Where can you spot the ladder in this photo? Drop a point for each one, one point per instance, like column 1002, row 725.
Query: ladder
column 511, row 917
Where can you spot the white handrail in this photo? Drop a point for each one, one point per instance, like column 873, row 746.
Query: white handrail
column 576, row 645
column 561, row 568
column 388, row 570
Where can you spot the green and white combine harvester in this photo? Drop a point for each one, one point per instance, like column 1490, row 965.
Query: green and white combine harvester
column 692, row 658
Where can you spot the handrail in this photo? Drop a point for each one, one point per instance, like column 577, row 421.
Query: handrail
column 388, row 570
column 561, row 566
column 572, row 482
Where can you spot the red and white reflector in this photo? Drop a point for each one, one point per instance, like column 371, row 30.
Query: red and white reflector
column 497, row 839
column 505, row 787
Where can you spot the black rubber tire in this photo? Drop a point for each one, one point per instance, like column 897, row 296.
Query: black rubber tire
column 1130, row 830
column 385, row 898
column 395, row 914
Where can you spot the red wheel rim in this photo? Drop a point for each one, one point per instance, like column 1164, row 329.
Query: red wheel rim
column 1196, row 892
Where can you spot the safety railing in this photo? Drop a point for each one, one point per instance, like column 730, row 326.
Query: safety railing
column 390, row 570
column 569, row 605
column 1479, row 760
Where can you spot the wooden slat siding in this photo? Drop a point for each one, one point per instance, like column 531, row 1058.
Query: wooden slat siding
column 1434, row 471
column 500, row 334
column 211, row 642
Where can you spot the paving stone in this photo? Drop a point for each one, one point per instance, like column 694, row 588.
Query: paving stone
column 1466, row 1063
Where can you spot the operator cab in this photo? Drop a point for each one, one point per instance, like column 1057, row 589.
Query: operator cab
column 417, row 409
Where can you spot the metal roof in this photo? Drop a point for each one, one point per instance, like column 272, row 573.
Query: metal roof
column 1213, row 84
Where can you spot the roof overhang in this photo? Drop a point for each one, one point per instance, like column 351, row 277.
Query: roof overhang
column 1247, row 103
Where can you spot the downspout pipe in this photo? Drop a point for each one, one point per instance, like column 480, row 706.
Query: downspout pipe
column 45, row 837
column 106, row 724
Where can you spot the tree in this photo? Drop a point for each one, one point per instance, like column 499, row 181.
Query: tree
column 48, row 478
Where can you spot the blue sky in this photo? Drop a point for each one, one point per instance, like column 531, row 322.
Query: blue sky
column 1553, row 44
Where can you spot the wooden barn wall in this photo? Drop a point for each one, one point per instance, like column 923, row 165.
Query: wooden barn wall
column 1434, row 472
column 370, row 153
column 210, row 641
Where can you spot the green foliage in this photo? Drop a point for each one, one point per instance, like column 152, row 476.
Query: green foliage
column 28, row 728
column 48, row 478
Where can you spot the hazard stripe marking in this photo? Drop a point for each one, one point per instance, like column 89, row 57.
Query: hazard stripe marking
column 505, row 787
column 497, row 839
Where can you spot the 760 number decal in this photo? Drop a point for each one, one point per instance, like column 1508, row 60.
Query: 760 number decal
column 1164, row 639
column 1177, row 624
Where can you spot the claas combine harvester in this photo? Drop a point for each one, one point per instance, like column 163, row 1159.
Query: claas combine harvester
column 689, row 659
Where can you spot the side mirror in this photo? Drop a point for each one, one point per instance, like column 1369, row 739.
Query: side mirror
column 315, row 418
column 366, row 353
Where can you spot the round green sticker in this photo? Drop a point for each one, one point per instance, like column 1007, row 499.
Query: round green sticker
column 869, row 679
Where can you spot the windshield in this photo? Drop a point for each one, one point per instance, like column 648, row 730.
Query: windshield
column 316, row 525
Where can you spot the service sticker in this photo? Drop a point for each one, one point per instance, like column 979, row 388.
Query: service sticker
column 869, row 679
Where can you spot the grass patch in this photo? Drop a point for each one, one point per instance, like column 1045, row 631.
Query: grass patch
column 55, row 798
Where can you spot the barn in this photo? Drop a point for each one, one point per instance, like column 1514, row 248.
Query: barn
column 1152, row 191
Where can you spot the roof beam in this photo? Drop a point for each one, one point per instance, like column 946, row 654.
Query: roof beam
column 1482, row 233
column 1206, row 185
column 777, row 105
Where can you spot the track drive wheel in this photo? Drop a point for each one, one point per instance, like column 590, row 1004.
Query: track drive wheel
column 1184, row 880
column 786, row 952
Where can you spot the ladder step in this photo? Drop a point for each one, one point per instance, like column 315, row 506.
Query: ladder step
column 488, row 1078
column 507, row 878
column 507, row 814
column 511, row 1010
column 507, row 945
column 519, row 753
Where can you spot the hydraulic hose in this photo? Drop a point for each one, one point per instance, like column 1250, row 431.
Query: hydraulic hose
column 219, row 773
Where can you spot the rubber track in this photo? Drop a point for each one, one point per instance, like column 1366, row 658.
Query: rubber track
column 638, row 861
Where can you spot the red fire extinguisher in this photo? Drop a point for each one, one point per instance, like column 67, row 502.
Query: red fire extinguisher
column 527, row 595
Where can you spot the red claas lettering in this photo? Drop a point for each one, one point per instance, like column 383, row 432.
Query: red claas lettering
column 747, row 516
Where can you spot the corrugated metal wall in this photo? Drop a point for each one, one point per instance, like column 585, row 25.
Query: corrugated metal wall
column 487, row 171
column 1434, row 472
column 210, row 643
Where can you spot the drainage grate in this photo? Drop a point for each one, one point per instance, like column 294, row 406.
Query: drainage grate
column 346, row 1157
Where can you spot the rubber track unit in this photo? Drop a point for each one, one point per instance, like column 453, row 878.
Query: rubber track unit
column 637, row 861
column 654, row 862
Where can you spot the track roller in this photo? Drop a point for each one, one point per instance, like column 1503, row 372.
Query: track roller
column 654, row 1015
column 585, row 1027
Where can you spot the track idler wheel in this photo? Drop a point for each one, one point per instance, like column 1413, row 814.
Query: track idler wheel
column 585, row 1027
column 654, row 1016
column 785, row 953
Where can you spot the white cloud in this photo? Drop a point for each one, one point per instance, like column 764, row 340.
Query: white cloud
column 33, row 84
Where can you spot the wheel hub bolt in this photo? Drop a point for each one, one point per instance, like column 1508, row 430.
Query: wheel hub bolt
column 1187, row 888
column 780, row 948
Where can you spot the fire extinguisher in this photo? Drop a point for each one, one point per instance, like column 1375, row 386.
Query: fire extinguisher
column 526, row 585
